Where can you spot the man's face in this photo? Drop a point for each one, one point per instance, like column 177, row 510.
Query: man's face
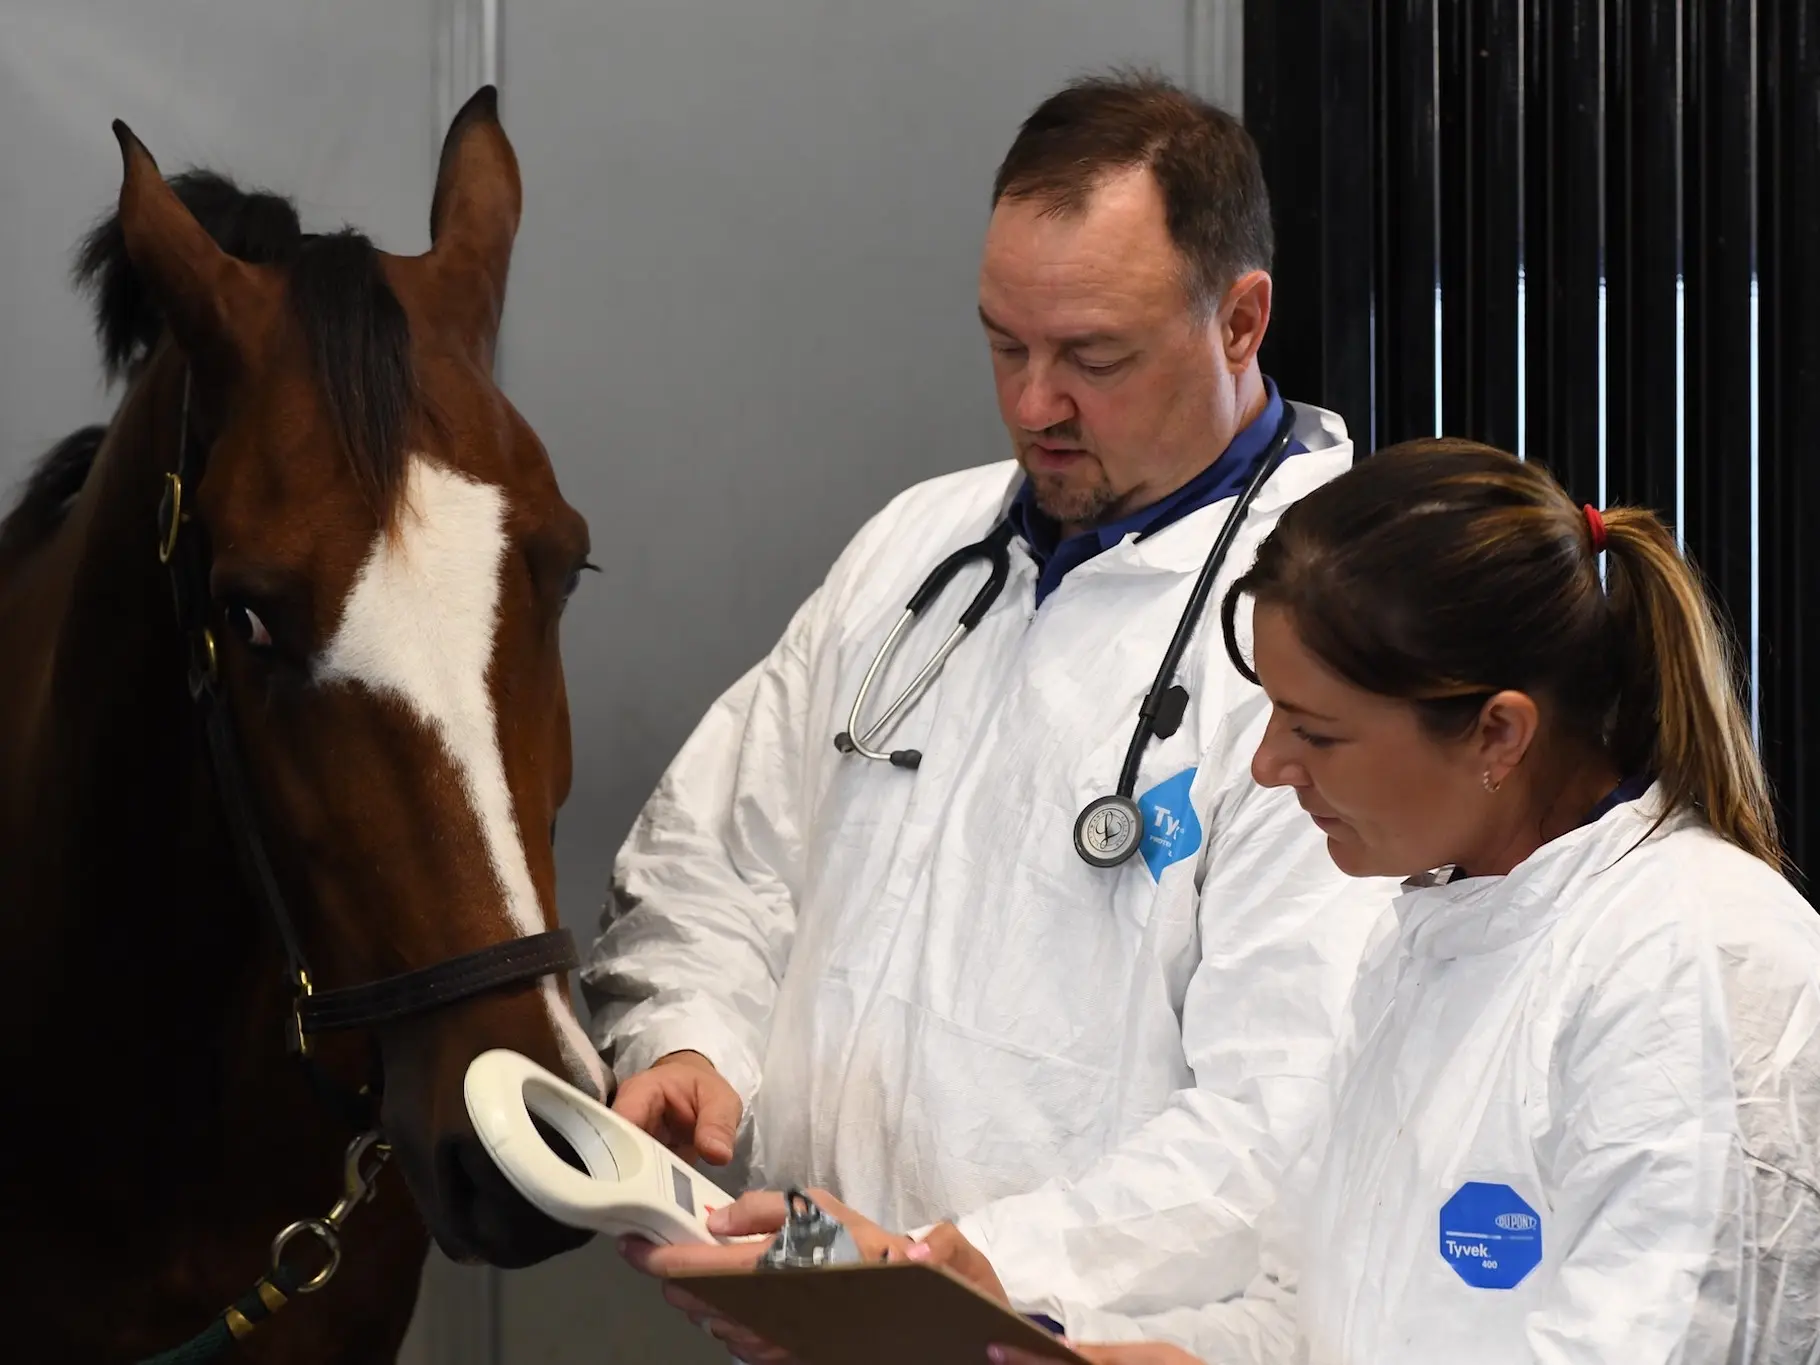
column 1114, row 390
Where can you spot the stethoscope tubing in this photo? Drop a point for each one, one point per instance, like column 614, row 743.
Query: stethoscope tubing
column 994, row 549
column 1274, row 455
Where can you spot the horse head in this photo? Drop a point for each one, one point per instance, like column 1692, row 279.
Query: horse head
column 388, row 558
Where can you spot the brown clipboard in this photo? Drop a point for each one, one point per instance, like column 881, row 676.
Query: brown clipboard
column 894, row 1313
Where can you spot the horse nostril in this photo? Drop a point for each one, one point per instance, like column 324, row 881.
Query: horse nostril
column 483, row 1216
column 559, row 1144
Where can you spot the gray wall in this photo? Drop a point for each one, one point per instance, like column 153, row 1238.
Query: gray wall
column 740, row 317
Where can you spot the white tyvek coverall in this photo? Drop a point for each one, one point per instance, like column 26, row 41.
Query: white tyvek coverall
column 946, row 1005
column 1629, row 1044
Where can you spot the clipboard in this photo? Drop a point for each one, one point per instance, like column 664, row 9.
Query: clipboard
column 878, row 1313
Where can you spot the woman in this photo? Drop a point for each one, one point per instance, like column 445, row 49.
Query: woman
column 1577, row 1113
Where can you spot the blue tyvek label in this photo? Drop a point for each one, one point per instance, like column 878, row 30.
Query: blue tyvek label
column 1490, row 1237
column 1172, row 831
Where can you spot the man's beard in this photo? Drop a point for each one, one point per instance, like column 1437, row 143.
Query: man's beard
column 1077, row 499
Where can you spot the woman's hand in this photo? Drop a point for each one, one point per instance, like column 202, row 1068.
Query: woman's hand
column 1135, row 1353
column 761, row 1214
column 663, row 1261
column 944, row 1246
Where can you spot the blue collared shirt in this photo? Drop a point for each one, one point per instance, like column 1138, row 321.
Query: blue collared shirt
column 1224, row 478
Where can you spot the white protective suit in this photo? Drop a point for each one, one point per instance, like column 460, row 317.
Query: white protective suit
column 946, row 1005
column 1577, row 1120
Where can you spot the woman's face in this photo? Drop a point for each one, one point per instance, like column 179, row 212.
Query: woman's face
column 1392, row 799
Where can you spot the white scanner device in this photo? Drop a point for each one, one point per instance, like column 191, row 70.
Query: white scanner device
column 633, row 1184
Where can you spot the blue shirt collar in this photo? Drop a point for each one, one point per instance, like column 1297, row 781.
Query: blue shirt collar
column 1630, row 789
column 1633, row 788
column 1222, row 479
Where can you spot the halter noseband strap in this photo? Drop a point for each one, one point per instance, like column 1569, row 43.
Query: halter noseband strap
column 510, row 963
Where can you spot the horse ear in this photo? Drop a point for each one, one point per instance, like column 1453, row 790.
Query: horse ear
column 473, row 219
column 212, row 302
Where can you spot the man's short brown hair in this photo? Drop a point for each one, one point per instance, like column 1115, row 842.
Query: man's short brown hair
column 1214, row 202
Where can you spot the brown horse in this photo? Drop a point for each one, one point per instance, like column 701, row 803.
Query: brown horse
column 283, row 734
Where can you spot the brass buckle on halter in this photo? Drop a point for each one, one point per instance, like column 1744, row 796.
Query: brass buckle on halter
column 170, row 517
column 299, row 1041
column 205, row 663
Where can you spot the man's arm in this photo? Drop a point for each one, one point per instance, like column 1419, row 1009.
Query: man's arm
column 1168, row 1219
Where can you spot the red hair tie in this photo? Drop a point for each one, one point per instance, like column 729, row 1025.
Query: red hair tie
column 1597, row 523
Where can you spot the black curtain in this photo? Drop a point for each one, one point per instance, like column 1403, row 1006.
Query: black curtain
column 1587, row 231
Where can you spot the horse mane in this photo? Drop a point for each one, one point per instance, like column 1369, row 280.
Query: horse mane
column 354, row 329
column 49, row 490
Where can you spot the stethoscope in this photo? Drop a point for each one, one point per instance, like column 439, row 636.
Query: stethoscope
column 1109, row 828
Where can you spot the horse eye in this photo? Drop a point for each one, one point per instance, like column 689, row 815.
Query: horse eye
column 573, row 581
column 246, row 624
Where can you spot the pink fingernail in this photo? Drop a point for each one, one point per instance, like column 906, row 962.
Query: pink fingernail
column 918, row 1251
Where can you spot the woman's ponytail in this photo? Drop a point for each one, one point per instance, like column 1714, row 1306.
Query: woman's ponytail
column 1444, row 571
column 1678, row 713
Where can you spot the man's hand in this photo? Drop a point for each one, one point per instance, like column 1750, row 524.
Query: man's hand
column 685, row 1104
column 1136, row 1353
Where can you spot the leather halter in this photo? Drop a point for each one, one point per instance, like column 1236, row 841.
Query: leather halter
column 510, row 963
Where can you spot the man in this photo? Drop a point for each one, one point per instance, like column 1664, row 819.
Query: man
column 905, row 984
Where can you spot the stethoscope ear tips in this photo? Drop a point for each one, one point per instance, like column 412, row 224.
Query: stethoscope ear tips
column 900, row 758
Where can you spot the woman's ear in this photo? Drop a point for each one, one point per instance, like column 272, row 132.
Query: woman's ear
column 1506, row 728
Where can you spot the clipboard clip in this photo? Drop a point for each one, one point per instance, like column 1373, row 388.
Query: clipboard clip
column 810, row 1237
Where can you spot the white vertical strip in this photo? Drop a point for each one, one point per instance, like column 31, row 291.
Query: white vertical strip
column 1682, row 79
column 1604, row 492
column 1434, row 151
column 1604, row 165
column 1756, row 418
column 466, row 52
column 1215, row 36
column 1680, row 411
column 1522, row 451
column 1756, row 521
column 489, row 42
column 1440, row 414
column 1522, row 362
column 465, row 56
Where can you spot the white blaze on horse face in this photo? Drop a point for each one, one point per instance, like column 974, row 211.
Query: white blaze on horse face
column 419, row 627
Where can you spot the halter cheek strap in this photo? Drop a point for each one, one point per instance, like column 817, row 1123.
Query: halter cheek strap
column 183, row 550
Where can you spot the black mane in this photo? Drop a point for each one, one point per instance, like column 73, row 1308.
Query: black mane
column 252, row 224
column 49, row 489
column 353, row 327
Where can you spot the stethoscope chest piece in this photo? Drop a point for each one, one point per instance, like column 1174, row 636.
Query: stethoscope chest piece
column 1108, row 830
